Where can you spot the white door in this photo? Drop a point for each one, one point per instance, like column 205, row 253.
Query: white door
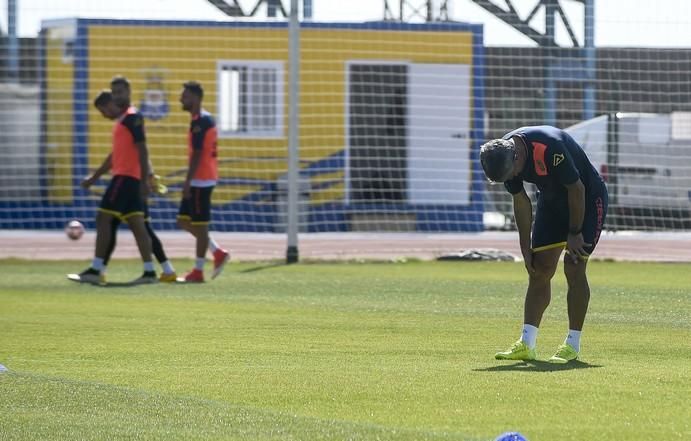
column 439, row 109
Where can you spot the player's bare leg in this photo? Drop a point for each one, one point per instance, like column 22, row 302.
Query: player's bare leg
column 95, row 273
column 577, row 298
column 185, row 224
column 578, row 295
column 104, row 233
column 141, row 236
column 201, row 233
column 539, row 292
column 537, row 299
column 168, row 271
column 196, row 275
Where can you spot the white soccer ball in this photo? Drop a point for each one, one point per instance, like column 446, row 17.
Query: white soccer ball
column 74, row 229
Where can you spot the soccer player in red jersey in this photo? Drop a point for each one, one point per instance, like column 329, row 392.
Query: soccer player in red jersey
column 105, row 104
column 125, row 197
column 202, row 175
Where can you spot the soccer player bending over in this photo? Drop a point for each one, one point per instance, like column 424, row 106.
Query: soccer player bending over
column 571, row 209
column 194, row 215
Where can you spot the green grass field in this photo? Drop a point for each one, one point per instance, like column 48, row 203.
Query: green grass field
column 339, row 352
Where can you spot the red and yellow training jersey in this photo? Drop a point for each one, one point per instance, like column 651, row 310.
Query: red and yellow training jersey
column 127, row 132
column 203, row 137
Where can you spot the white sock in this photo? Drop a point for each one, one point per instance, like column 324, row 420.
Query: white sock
column 199, row 263
column 573, row 339
column 149, row 266
column 529, row 335
column 167, row 267
column 97, row 264
column 213, row 246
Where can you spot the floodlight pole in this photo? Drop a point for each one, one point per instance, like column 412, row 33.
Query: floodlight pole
column 292, row 254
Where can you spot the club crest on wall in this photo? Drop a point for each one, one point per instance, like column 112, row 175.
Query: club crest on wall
column 154, row 104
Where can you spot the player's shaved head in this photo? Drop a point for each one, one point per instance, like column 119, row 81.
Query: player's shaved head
column 497, row 158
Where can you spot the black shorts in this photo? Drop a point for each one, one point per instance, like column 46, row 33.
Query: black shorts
column 551, row 227
column 122, row 198
column 197, row 208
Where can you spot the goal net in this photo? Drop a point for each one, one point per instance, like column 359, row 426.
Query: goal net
column 391, row 117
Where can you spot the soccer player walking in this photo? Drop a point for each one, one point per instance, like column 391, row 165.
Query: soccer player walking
column 571, row 209
column 194, row 215
column 126, row 194
column 106, row 106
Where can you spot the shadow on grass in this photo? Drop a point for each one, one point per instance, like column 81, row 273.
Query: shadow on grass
column 263, row 267
column 130, row 284
column 538, row 366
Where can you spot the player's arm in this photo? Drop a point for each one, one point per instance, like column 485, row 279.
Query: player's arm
column 198, row 133
column 144, row 164
column 151, row 178
column 523, row 214
column 135, row 124
column 562, row 166
column 100, row 171
column 575, row 242
column 195, row 160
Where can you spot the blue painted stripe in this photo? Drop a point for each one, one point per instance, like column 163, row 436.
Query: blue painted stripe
column 395, row 26
column 373, row 25
column 181, row 23
column 80, row 109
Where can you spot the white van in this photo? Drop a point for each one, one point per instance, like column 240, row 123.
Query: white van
column 645, row 159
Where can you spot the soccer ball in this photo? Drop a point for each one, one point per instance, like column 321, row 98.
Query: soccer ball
column 74, row 230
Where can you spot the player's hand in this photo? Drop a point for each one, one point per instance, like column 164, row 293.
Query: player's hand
column 144, row 190
column 87, row 182
column 528, row 259
column 156, row 186
column 151, row 182
column 186, row 192
column 575, row 245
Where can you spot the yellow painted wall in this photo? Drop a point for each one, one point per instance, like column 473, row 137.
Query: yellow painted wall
column 184, row 53
column 323, row 74
column 180, row 54
column 59, row 118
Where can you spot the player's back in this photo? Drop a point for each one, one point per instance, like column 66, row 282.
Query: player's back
column 558, row 140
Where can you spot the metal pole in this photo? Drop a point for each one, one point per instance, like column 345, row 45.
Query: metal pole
column 550, row 80
column 589, row 104
column 12, row 42
column 292, row 254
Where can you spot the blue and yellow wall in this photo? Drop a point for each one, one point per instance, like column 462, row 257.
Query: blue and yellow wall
column 161, row 55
